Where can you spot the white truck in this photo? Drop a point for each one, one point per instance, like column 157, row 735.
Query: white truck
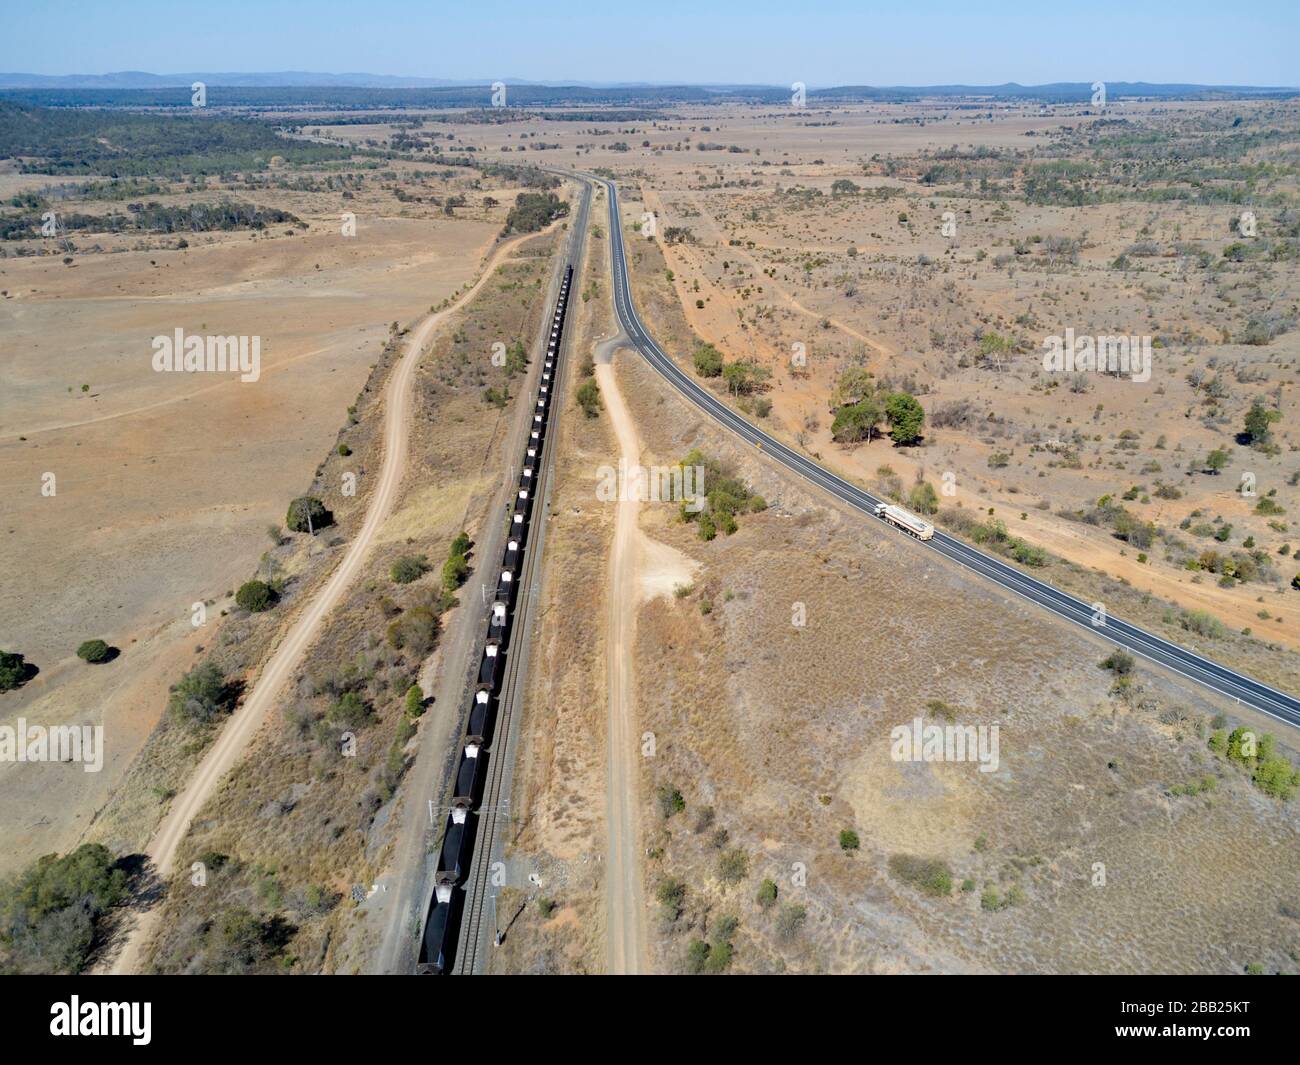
column 905, row 520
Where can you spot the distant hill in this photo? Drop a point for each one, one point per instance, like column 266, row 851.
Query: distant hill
column 136, row 79
column 308, row 89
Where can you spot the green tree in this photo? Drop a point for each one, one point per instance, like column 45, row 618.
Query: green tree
column 923, row 498
column 905, row 416
column 767, row 894
column 670, row 800
column 856, row 422
column 94, row 651
column 697, row 954
column 308, row 514
column 708, row 361
column 1258, row 421
column 13, row 670
column 671, row 894
column 255, row 596
column 49, row 913
column 741, row 378
column 1216, row 460
column 720, row 955
column 849, row 840
column 516, row 358
column 853, row 386
column 454, row 571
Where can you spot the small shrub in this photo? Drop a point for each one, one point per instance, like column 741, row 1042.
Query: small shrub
column 409, row 568
column 671, row 894
column 255, row 596
column 732, row 866
column 94, row 651
column 670, row 800
column 790, row 920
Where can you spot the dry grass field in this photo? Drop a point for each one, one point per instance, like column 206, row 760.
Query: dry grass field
column 301, row 822
column 865, row 274
column 777, row 737
column 933, row 245
column 959, row 237
column 165, row 483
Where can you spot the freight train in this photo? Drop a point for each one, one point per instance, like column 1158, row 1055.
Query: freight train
column 447, row 904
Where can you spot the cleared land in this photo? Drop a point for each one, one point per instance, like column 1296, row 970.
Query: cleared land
column 166, row 482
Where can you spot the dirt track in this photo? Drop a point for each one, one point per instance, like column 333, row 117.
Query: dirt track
column 625, row 931
column 243, row 726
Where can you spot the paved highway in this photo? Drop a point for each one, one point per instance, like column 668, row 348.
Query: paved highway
column 1195, row 667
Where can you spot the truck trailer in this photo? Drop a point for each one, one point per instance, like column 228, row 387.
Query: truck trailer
column 905, row 520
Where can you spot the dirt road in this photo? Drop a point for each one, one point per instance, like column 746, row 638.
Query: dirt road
column 624, row 899
column 244, row 723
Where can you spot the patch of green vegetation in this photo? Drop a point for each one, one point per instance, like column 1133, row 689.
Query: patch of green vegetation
column 725, row 496
column 1272, row 773
column 707, row 360
column 588, row 396
column 14, row 670
column 790, row 920
column 50, row 913
column 94, row 651
column 533, row 211
column 120, row 142
column 408, row 568
column 733, row 864
column 670, row 800
column 928, row 875
column 456, row 568
column 1195, row 787
column 671, row 895
column 714, row 956
column 993, row 534
column 200, row 696
column 255, row 596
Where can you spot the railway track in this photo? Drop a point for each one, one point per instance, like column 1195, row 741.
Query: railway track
column 461, row 923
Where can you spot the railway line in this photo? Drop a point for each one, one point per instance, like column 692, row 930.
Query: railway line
column 1188, row 663
column 460, row 922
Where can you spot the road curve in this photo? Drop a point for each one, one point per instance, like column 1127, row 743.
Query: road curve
column 1188, row 663
column 244, row 723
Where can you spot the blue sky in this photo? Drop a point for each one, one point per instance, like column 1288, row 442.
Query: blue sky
column 1254, row 42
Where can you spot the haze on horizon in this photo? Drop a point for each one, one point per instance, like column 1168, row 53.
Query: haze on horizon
column 825, row 43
